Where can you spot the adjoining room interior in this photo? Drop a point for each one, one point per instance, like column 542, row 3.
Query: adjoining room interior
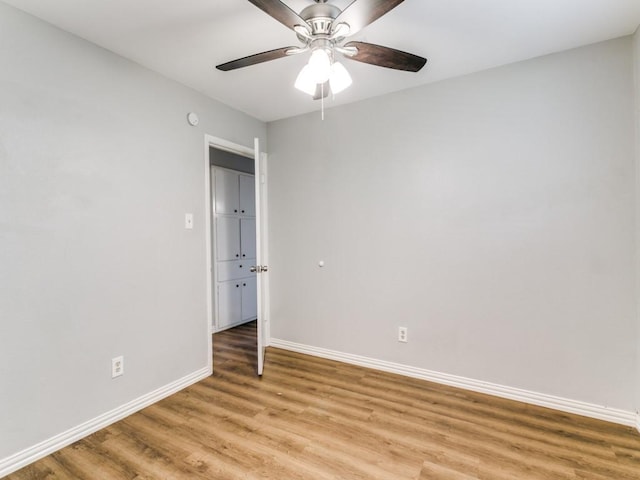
column 233, row 240
column 445, row 257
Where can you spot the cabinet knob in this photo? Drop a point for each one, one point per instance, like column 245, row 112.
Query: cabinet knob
column 237, row 255
column 240, row 266
column 235, row 210
column 237, row 285
column 243, row 255
column 242, row 211
column 244, row 284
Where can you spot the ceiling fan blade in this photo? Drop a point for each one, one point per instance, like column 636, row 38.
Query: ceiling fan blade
column 257, row 58
column 361, row 13
column 280, row 12
column 322, row 90
column 386, row 57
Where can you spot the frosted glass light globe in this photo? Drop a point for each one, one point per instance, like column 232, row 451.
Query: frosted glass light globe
column 305, row 81
column 340, row 78
column 320, row 65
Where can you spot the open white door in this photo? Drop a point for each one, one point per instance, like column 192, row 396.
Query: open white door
column 259, row 268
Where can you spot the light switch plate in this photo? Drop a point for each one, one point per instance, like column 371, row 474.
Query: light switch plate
column 188, row 221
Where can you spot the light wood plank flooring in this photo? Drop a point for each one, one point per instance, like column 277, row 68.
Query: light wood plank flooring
column 310, row 418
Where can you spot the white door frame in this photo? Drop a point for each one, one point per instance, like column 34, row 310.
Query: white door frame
column 221, row 144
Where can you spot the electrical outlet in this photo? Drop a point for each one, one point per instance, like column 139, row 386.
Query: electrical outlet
column 403, row 334
column 117, row 366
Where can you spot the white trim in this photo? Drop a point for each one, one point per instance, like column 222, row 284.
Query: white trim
column 266, row 311
column 558, row 403
column 227, row 146
column 221, row 144
column 636, row 91
column 207, row 250
column 42, row 449
column 259, row 253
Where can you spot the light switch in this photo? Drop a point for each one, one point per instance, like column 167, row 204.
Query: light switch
column 188, row 221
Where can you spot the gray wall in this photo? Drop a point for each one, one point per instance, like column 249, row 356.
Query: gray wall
column 97, row 169
column 230, row 160
column 493, row 215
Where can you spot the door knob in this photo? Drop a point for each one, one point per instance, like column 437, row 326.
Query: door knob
column 253, row 269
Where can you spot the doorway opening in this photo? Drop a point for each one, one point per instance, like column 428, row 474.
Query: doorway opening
column 236, row 281
column 234, row 240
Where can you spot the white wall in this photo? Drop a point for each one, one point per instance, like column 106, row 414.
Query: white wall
column 97, row 169
column 493, row 215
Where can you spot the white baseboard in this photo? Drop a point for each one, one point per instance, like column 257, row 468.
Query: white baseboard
column 42, row 449
column 613, row 415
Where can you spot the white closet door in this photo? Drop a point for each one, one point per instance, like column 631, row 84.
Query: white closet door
column 249, row 299
column 229, row 303
column 248, row 237
column 247, row 195
column 227, row 238
column 226, row 192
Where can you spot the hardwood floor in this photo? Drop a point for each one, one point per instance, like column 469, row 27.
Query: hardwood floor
column 309, row 418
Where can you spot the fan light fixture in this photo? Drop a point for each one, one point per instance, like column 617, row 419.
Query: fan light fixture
column 323, row 29
column 321, row 69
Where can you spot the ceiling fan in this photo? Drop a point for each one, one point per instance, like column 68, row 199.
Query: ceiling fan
column 323, row 28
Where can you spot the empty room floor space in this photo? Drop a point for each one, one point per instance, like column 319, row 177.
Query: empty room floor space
column 311, row 418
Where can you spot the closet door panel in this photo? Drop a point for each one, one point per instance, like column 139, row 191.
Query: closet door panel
column 229, row 303
column 248, row 237
column 247, row 195
column 249, row 299
column 226, row 192
column 233, row 270
column 227, row 238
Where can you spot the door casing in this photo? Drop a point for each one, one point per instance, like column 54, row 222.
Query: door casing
column 222, row 144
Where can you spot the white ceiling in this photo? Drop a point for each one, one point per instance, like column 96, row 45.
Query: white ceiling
column 185, row 39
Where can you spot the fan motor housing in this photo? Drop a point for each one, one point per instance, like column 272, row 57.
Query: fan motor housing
column 320, row 17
